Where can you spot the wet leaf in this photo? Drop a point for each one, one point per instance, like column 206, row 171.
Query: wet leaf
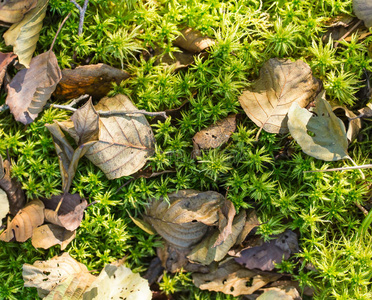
column 46, row 275
column 4, row 205
column 118, row 282
column 70, row 213
column 363, row 10
column 49, row 235
column 31, row 88
column 184, row 220
column 23, row 224
column 125, row 141
column 320, row 134
column 353, row 126
column 94, row 80
column 5, row 60
column 24, row 35
column 231, row 278
column 281, row 83
column 12, row 188
column 265, row 256
column 13, row 11
column 193, row 41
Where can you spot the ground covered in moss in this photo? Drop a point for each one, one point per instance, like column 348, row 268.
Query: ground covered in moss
column 266, row 175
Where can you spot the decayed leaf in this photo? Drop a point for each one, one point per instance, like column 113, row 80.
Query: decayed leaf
column 363, row 10
column 231, row 278
column 320, row 134
column 70, row 213
column 12, row 188
column 50, row 235
column 13, row 11
column 215, row 135
column 265, row 256
column 206, row 252
column 4, row 205
column 5, row 60
column 281, row 83
column 94, row 80
column 193, row 41
column 184, row 220
column 125, row 141
column 23, row 224
column 353, row 126
column 46, row 275
column 118, row 282
column 31, row 88
column 24, row 35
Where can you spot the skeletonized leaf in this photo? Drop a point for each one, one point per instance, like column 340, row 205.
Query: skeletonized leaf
column 231, row 278
column 281, row 83
column 31, row 88
column 23, row 224
column 50, row 235
column 193, row 41
column 118, row 282
column 5, row 60
column 46, row 275
column 24, row 35
column 353, row 126
column 320, row 134
column 13, row 11
column 184, row 220
column 4, row 205
column 125, row 141
column 363, row 10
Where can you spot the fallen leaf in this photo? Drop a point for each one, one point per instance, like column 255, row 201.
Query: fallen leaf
column 13, row 11
column 12, row 188
column 24, row 35
column 23, row 224
column 179, row 60
column 31, row 88
column 4, row 205
column 231, row 278
column 143, row 225
column 206, row 252
column 49, row 235
column 193, row 41
column 363, row 10
column 339, row 26
column 214, row 135
column 174, row 113
column 225, row 221
column 46, row 275
column 281, row 83
column 70, row 213
column 125, row 141
column 118, row 282
column 5, row 60
column 184, row 220
column 250, row 223
column 94, row 80
column 366, row 111
column 320, row 134
column 265, row 257
column 352, row 126
column 154, row 270
column 274, row 293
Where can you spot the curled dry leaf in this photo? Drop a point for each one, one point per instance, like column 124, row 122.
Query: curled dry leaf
column 231, row 278
column 250, row 223
column 193, row 41
column 23, row 224
column 225, row 221
column 366, row 112
column 265, row 257
column 4, row 205
column 24, row 35
column 46, row 275
column 94, row 80
column 281, row 83
column 5, row 60
column 352, row 126
column 13, row 11
column 31, row 88
column 118, row 282
column 320, row 134
column 49, row 235
column 363, row 10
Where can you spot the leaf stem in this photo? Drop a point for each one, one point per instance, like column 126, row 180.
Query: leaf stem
column 58, row 31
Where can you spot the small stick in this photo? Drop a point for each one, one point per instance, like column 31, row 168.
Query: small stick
column 78, row 100
column 58, row 31
column 347, row 33
column 364, row 211
column 82, row 11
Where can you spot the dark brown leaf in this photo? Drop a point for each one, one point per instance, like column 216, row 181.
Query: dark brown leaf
column 179, row 60
column 13, row 11
column 49, row 235
column 5, row 60
column 352, row 126
column 193, row 41
column 175, row 113
column 94, row 80
column 31, row 88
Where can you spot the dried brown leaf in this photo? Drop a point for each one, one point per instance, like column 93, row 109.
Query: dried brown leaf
column 363, row 10
column 5, row 60
column 31, row 88
column 281, row 83
column 49, row 235
column 352, row 126
column 23, row 224
column 94, row 80
column 193, row 41
column 250, row 223
column 13, row 11
column 179, row 60
column 226, row 217
column 4, row 205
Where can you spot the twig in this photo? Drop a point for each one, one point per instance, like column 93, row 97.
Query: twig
column 4, row 107
column 131, row 112
column 364, row 211
column 65, row 107
column 78, row 100
column 58, row 31
column 347, row 33
column 82, row 11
